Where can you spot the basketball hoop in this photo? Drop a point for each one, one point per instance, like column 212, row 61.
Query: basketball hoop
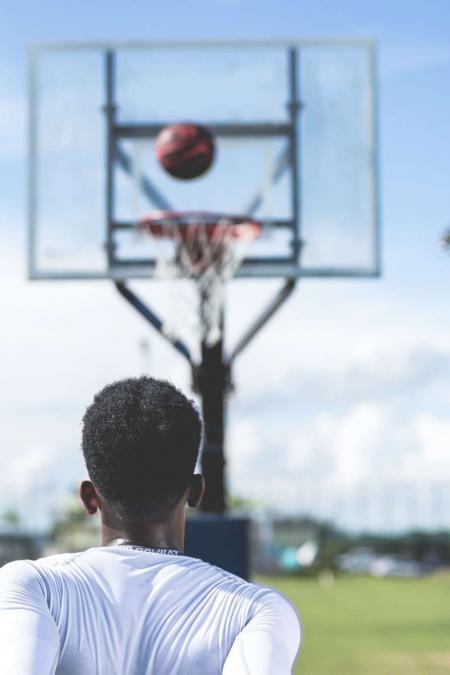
column 208, row 249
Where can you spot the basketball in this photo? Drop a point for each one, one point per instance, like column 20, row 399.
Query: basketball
column 185, row 150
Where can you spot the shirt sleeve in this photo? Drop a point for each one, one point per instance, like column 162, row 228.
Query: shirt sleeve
column 269, row 642
column 29, row 638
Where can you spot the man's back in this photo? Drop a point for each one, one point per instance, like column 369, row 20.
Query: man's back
column 119, row 610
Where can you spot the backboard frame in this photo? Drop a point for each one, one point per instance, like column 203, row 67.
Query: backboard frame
column 285, row 267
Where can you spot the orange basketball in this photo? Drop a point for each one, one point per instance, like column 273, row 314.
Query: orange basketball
column 185, row 150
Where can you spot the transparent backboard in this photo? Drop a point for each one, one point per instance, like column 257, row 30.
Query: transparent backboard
column 296, row 148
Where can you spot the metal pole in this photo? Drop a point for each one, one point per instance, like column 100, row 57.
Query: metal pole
column 212, row 381
column 212, row 384
column 266, row 315
column 294, row 108
column 32, row 166
column 375, row 144
column 110, row 112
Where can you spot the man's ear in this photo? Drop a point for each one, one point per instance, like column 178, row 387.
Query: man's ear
column 89, row 497
column 196, row 490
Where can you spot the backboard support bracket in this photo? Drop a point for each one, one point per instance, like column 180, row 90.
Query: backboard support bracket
column 212, row 379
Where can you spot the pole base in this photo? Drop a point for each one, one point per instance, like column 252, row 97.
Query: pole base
column 220, row 540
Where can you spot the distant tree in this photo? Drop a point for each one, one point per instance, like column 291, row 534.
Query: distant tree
column 11, row 519
column 72, row 529
column 238, row 503
column 71, row 518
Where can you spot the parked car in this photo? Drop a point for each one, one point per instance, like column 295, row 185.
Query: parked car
column 395, row 566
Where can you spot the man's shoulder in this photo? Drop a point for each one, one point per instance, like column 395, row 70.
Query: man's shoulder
column 16, row 570
column 20, row 577
column 274, row 607
column 260, row 597
column 222, row 576
column 278, row 602
column 34, row 570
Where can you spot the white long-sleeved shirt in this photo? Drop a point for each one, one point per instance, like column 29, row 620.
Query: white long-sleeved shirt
column 120, row 610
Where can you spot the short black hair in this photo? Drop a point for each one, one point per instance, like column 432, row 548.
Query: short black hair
column 140, row 440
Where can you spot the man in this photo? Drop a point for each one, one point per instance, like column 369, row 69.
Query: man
column 136, row 605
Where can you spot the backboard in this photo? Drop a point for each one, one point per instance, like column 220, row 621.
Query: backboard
column 296, row 148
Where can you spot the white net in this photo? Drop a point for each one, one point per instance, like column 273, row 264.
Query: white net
column 206, row 249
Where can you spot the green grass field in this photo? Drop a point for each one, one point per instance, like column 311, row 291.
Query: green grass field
column 371, row 626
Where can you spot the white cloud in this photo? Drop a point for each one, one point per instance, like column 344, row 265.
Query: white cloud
column 357, row 451
column 353, row 441
column 433, row 436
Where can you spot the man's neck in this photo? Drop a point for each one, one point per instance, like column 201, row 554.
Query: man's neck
column 167, row 535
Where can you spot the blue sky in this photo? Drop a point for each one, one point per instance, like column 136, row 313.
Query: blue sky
column 354, row 388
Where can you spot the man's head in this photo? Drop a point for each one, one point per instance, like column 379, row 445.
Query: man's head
column 140, row 441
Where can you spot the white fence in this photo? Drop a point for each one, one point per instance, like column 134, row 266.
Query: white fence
column 393, row 507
